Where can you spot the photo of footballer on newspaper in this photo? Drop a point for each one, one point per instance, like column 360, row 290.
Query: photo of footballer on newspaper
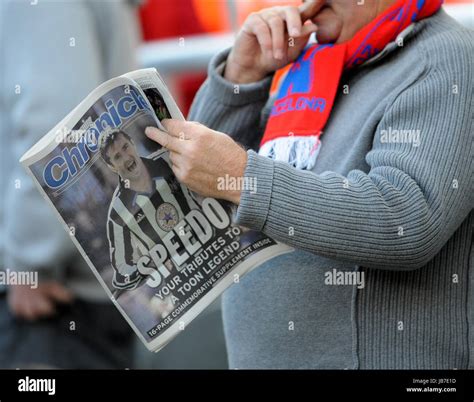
column 147, row 204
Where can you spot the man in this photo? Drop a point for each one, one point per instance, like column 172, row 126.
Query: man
column 68, row 320
column 147, row 204
column 365, row 166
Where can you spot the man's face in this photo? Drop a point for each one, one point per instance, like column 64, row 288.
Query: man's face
column 124, row 158
column 339, row 20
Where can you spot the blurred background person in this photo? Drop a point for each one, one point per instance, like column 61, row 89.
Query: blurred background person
column 53, row 53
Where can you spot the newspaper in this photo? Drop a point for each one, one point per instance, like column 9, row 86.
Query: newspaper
column 161, row 252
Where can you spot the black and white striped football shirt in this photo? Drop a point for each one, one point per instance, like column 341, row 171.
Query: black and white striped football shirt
column 137, row 221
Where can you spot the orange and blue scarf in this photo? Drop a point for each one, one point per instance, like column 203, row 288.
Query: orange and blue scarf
column 305, row 89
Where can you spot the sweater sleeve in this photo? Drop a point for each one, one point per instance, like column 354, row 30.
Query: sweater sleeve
column 399, row 214
column 231, row 108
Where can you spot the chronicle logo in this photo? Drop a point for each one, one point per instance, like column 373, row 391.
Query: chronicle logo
column 28, row 384
column 167, row 216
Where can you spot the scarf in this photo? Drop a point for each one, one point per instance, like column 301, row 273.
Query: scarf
column 305, row 89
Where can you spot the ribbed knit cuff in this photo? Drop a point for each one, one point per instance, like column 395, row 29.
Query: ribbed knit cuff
column 255, row 200
column 231, row 94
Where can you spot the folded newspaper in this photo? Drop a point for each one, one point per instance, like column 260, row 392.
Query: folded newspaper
column 161, row 252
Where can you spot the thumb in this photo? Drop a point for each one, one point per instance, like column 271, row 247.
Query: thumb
column 310, row 8
column 300, row 42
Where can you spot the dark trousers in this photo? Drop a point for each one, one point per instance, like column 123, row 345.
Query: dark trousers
column 80, row 336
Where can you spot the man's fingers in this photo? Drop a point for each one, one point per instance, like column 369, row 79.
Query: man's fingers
column 293, row 21
column 310, row 8
column 164, row 139
column 34, row 309
column 26, row 311
column 175, row 159
column 302, row 40
column 264, row 37
column 308, row 29
column 277, row 27
column 176, row 128
column 58, row 292
column 43, row 308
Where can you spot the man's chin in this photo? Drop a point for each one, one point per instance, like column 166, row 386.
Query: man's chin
column 328, row 34
column 329, row 26
column 324, row 39
column 135, row 175
column 131, row 176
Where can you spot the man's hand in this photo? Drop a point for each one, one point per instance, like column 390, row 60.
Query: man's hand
column 34, row 304
column 262, row 45
column 200, row 157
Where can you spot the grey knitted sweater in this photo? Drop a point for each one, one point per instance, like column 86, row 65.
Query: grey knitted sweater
column 382, row 275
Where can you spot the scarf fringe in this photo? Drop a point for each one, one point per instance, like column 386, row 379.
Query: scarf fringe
column 301, row 152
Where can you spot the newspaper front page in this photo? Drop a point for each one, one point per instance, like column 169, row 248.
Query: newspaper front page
column 161, row 252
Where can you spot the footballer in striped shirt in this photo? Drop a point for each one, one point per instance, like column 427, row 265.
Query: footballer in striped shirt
column 147, row 203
